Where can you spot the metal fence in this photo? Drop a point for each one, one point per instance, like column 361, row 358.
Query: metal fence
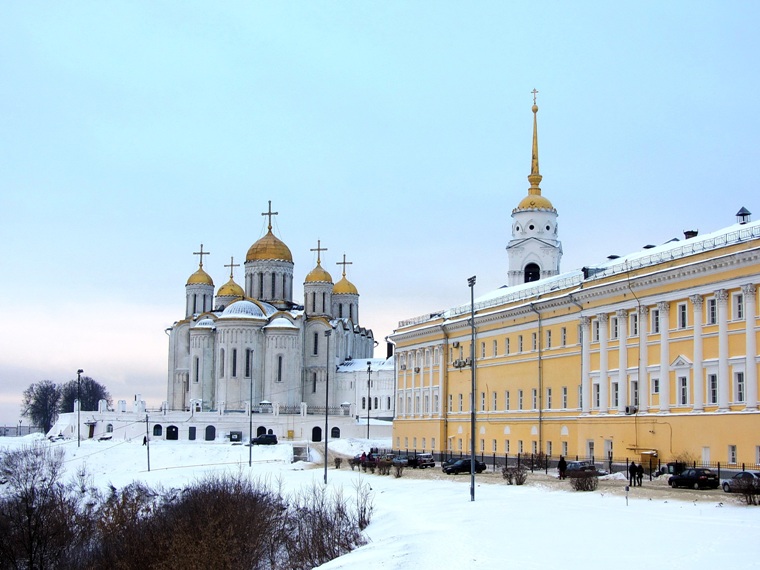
column 18, row 430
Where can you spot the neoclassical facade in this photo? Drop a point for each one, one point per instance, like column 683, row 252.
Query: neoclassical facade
column 653, row 354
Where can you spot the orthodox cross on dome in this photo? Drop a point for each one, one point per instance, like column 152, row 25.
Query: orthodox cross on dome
column 270, row 213
column 201, row 253
column 535, row 92
column 318, row 249
column 344, row 263
column 232, row 266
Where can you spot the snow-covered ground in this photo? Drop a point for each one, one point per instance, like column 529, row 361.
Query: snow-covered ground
column 431, row 523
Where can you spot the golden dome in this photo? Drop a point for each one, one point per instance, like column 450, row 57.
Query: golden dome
column 230, row 289
column 269, row 247
column 535, row 202
column 344, row 287
column 318, row 275
column 200, row 277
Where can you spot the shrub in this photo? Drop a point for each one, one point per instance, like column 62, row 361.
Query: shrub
column 338, row 461
column 398, row 470
column 514, row 475
column 384, row 467
column 585, row 482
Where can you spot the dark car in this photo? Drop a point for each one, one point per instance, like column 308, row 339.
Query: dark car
column 425, row 460
column 697, row 478
column 402, row 460
column 742, row 481
column 463, row 466
column 582, row 469
column 265, row 439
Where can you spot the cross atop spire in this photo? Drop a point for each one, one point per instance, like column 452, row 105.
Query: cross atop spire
column 201, row 253
column 232, row 266
column 319, row 249
column 344, row 263
column 535, row 92
column 270, row 213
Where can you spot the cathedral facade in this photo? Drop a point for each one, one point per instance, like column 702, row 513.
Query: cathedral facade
column 254, row 345
column 648, row 356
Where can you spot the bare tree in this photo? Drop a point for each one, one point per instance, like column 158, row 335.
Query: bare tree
column 88, row 391
column 40, row 404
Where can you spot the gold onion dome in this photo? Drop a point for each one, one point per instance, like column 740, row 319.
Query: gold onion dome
column 269, row 247
column 230, row 289
column 318, row 274
column 200, row 277
column 344, row 287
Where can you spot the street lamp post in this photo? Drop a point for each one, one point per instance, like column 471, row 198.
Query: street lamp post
column 471, row 283
column 369, row 399
column 327, row 393
column 79, row 405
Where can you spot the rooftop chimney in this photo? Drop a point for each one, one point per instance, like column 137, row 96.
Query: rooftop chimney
column 688, row 234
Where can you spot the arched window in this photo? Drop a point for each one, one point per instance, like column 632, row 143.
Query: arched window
column 335, row 433
column 210, row 433
column 316, row 434
column 109, row 428
column 158, row 430
column 532, row 272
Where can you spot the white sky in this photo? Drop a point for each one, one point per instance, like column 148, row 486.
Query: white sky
column 433, row 524
column 396, row 132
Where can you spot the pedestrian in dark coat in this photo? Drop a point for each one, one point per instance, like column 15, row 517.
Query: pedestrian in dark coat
column 562, row 467
column 632, row 474
column 640, row 473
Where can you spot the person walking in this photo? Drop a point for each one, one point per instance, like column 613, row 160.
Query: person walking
column 632, row 474
column 640, row 473
column 562, row 467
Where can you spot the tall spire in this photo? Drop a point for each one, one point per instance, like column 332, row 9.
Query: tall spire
column 534, row 177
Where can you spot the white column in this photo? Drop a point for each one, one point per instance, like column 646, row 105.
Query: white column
column 622, row 317
column 585, row 364
column 430, row 381
column 698, row 373
column 723, row 373
column 664, row 309
column 442, row 365
column 403, row 410
column 604, row 381
column 643, row 360
column 750, row 374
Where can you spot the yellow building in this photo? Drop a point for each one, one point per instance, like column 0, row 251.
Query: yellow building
column 653, row 354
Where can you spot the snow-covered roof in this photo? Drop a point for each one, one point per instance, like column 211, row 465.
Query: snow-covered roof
column 360, row 364
column 205, row 323
column 280, row 323
column 242, row 310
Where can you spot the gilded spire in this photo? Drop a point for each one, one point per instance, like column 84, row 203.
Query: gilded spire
column 534, row 177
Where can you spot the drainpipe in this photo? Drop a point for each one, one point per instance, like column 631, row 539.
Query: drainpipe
column 540, row 383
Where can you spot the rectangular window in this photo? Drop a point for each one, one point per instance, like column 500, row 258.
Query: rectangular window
column 712, row 311
column 549, row 448
column 732, row 454
column 655, row 321
column 563, row 335
column 564, row 397
column 596, row 395
column 635, row 392
column 451, row 402
column 740, row 387
column 221, row 363
column 519, row 344
column 757, row 455
column 738, row 306
column 496, row 348
column 279, row 368
column 506, row 400
column 655, row 385
column 313, row 382
column 580, row 396
column 519, row 446
column 614, row 328
column 564, row 448
column 548, row 339
column 482, row 401
column 482, row 445
column 683, row 390
column 683, row 320
column 519, row 399
column 615, row 395
column 493, row 446
column 494, row 403
column 633, row 326
column 534, row 341
column 315, row 350
column 506, row 346
column 196, row 369
column 506, row 446
column 461, row 403
column 459, row 444
column 534, row 398
column 595, row 331
column 712, row 388
column 482, row 350
column 534, row 447
column 234, row 362
column 548, row 398
column 248, row 362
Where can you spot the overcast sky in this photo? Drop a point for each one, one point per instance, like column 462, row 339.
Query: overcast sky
column 397, row 133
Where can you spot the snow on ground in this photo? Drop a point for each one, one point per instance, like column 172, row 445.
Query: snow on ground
column 431, row 523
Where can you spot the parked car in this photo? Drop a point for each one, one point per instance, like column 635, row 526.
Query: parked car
column 583, row 469
column 699, row 478
column 425, row 460
column 742, row 481
column 265, row 439
column 463, row 466
column 402, row 460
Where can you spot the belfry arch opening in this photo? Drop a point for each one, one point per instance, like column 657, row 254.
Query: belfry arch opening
column 532, row 272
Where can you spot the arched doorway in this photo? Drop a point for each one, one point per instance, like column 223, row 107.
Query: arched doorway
column 316, row 434
column 172, row 433
column 532, row 272
column 261, row 430
column 210, row 433
column 335, row 433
